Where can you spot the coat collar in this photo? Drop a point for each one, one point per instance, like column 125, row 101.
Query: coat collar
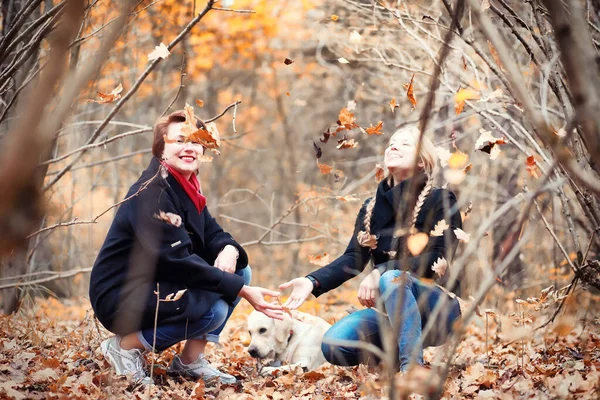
column 397, row 199
column 193, row 220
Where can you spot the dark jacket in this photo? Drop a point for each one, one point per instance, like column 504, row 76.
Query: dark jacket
column 391, row 204
column 142, row 250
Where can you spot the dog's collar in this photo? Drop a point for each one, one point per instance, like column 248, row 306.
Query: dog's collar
column 291, row 334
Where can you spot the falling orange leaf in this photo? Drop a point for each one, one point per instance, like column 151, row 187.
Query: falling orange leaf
column 199, row 103
column 319, row 259
column 287, row 94
column 346, row 119
column 347, row 199
column 393, row 104
column 410, row 92
column 375, row 130
column 416, row 243
column 531, row 166
column 324, row 168
column 110, row 97
column 462, row 96
column 458, row 160
column 334, row 18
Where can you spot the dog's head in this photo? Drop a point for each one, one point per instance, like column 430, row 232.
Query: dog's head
column 269, row 336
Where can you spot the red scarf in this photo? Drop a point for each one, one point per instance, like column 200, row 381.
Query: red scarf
column 191, row 187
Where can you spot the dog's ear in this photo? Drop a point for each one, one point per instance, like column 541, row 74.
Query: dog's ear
column 283, row 328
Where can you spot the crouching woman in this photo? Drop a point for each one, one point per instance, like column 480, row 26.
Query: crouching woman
column 167, row 272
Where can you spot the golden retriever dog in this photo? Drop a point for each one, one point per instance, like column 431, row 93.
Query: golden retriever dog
column 295, row 340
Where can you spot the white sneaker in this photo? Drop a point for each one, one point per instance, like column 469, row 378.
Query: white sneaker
column 125, row 362
column 200, row 368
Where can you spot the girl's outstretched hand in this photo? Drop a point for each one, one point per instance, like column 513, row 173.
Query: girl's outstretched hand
column 301, row 288
column 256, row 297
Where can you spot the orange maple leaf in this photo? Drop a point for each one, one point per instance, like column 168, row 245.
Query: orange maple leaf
column 375, row 130
column 346, row 119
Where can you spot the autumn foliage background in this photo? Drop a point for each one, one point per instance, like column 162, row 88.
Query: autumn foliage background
column 301, row 70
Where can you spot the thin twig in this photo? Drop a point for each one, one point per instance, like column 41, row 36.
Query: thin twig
column 223, row 112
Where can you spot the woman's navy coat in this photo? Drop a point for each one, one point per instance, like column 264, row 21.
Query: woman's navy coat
column 142, row 250
column 391, row 203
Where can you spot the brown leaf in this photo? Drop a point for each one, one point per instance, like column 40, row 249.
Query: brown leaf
column 326, row 136
column 318, row 151
column 110, row 97
column 209, row 138
column 288, row 61
column 169, row 218
column 410, row 92
column 375, row 130
column 346, row 144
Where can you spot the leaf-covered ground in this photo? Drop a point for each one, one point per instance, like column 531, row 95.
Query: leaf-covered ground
column 50, row 351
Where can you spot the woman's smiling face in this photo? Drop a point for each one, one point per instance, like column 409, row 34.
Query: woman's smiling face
column 401, row 153
column 182, row 155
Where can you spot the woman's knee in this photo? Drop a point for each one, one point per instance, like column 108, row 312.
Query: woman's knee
column 219, row 312
column 246, row 274
column 388, row 278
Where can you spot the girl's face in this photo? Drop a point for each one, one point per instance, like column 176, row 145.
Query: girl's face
column 180, row 154
column 401, row 153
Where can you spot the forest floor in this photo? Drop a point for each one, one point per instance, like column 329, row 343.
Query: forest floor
column 49, row 350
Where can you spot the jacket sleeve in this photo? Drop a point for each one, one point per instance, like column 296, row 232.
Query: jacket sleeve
column 444, row 207
column 171, row 247
column 215, row 239
column 348, row 265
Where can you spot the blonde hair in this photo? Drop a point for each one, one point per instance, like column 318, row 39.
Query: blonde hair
column 428, row 159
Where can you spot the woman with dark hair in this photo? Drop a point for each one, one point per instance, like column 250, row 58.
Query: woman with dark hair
column 384, row 228
column 166, row 257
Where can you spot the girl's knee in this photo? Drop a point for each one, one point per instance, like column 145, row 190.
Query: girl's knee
column 387, row 278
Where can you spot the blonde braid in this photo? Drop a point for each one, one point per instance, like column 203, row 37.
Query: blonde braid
column 420, row 201
column 365, row 239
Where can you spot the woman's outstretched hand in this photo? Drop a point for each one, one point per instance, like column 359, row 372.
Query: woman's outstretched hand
column 302, row 287
column 368, row 289
column 256, row 297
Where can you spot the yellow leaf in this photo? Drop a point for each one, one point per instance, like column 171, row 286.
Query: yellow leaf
column 334, row 18
column 416, row 243
column 458, row 160
column 466, row 94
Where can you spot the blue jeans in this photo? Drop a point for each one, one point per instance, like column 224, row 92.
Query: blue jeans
column 417, row 302
column 209, row 327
